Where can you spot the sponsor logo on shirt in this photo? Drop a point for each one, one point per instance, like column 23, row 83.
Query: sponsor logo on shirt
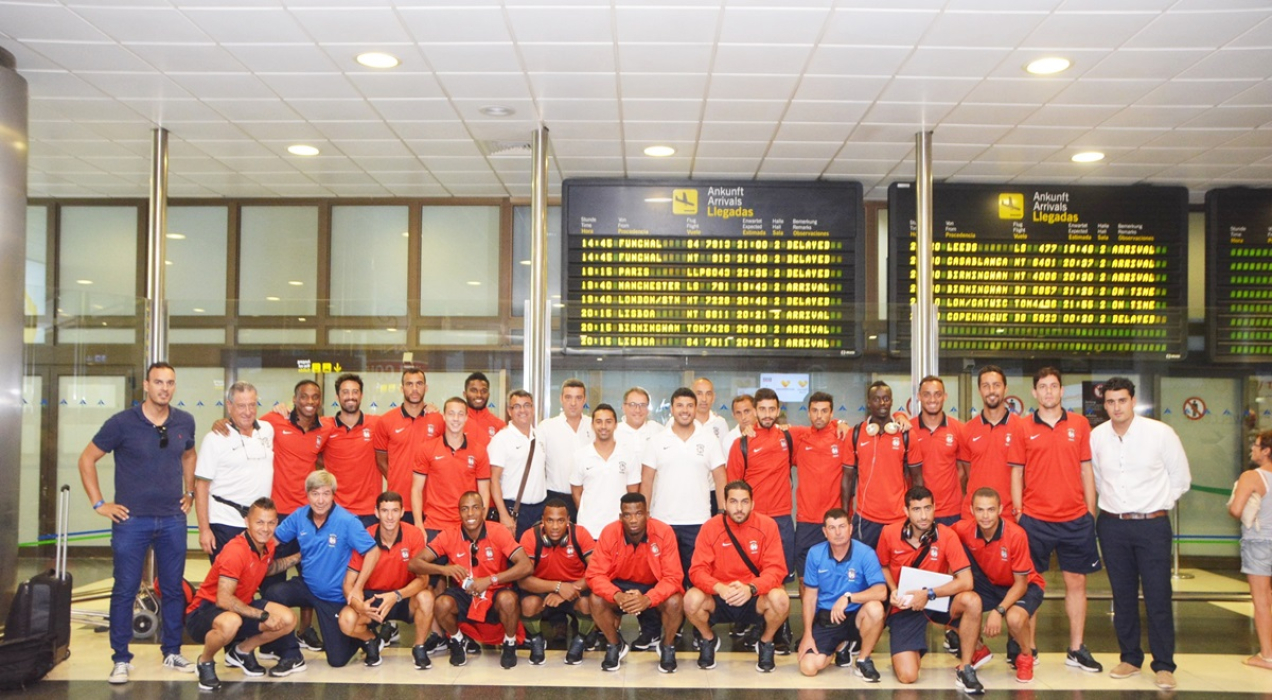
column 1034, row 437
column 287, row 432
column 459, row 555
column 400, row 430
column 755, row 451
column 726, row 544
column 977, row 438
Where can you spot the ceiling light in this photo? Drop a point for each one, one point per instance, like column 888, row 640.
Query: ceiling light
column 1048, row 66
column 474, row 283
column 391, row 330
column 83, row 281
column 406, row 234
column 167, row 262
column 301, row 149
column 176, row 236
column 197, row 310
column 296, row 283
column 660, row 151
column 272, row 299
column 525, row 262
column 377, row 59
column 497, row 111
column 300, row 318
column 1087, row 157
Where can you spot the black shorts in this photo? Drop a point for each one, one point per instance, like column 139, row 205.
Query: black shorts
column 908, row 629
column 827, row 638
column 401, row 610
column 992, row 596
column 867, row 531
column 1073, row 542
column 199, row 621
column 463, row 599
column 949, row 520
column 806, row 535
column 565, row 607
column 745, row 613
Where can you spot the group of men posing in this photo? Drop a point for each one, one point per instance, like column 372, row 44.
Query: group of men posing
column 691, row 520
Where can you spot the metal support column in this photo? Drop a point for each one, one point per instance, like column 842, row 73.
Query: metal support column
column 924, row 348
column 538, row 319
column 156, row 347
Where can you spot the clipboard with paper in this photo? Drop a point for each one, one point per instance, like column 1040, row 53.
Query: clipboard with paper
column 913, row 579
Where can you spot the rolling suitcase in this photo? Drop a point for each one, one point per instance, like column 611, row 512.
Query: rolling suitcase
column 37, row 634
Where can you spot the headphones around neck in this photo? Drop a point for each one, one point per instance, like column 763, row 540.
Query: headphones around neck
column 907, row 532
column 891, row 428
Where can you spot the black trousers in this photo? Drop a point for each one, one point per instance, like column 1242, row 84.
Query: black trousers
column 1137, row 554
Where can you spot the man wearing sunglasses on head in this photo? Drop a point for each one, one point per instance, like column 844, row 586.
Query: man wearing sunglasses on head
column 153, row 444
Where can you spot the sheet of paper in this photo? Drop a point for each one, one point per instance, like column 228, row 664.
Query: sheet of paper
column 913, row 579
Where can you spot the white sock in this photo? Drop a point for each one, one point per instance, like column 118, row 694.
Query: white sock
column 510, row 640
column 458, row 636
column 239, row 650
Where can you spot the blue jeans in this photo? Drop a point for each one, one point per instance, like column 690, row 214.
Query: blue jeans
column 129, row 541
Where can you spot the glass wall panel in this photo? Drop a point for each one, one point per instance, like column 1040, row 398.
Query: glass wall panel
column 278, row 261
column 279, row 336
column 97, row 273
column 37, row 246
column 454, row 337
column 29, row 480
column 84, row 404
column 521, row 260
column 366, row 336
column 459, row 261
column 368, row 261
column 196, row 336
column 196, row 261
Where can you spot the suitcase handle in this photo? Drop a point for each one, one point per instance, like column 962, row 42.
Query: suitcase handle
column 63, row 531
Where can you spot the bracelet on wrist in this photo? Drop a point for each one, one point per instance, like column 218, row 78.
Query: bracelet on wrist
column 100, row 502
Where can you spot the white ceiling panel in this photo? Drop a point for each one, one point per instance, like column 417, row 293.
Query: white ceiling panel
column 351, row 24
column 1004, row 90
column 1230, row 64
column 143, row 24
column 554, row 24
column 48, row 22
column 187, row 58
column 731, row 149
column 285, row 58
column 398, row 110
column 744, row 110
column 246, row 23
column 773, row 25
column 85, row 56
column 737, row 131
column 137, row 85
column 491, row 86
column 826, row 111
column 311, row 86
column 972, row 30
column 275, row 131
column 821, row 150
column 1088, row 30
column 1153, row 116
column 574, row 85
column 396, row 84
column 665, row 58
column 858, row 26
column 661, row 132
column 1197, row 138
column 429, row 129
column 1108, row 137
column 568, row 58
column 223, row 85
column 857, row 60
column 574, row 110
column 316, row 110
column 1174, row 30
column 264, row 110
column 429, row 25
column 760, row 59
column 741, row 87
column 835, row 87
column 812, row 131
column 661, row 85
column 919, row 115
column 690, row 25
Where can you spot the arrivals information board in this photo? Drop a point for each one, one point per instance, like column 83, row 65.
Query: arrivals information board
column 663, row 267
column 1046, row 271
column 1239, row 274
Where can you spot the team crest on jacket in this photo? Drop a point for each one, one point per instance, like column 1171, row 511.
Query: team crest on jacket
column 702, row 449
column 490, row 554
column 949, row 440
column 782, row 441
column 1007, row 439
column 472, row 462
column 935, row 554
column 366, row 433
column 1003, row 552
column 1071, row 435
column 852, row 574
column 406, row 554
column 653, row 547
column 331, row 540
column 491, row 430
column 755, row 547
column 896, row 442
column 318, row 442
column 834, row 450
column 569, row 551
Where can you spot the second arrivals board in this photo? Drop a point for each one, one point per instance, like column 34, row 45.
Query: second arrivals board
column 1239, row 274
column 1047, row 270
column 666, row 267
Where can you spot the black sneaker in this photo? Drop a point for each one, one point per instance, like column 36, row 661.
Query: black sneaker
column 595, row 641
column 309, row 640
column 472, row 646
column 644, row 642
column 614, row 654
column 750, row 639
column 865, row 670
column 371, row 650
column 538, row 645
column 508, row 655
column 1079, row 658
column 420, row 654
column 766, row 651
column 286, row 667
column 695, row 642
column 965, row 679
column 573, row 655
column 737, row 630
column 390, row 634
column 706, row 652
column 783, row 639
column 207, row 675
column 666, row 659
column 266, row 655
column 247, row 662
column 458, row 656
column 952, row 643
column 435, row 644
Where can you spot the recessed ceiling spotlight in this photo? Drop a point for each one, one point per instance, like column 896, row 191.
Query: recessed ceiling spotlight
column 301, row 149
column 1087, row 157
column 497, row 111
column 660, row 151
column 1048, row 66
column 377, row 59
column 175, row 236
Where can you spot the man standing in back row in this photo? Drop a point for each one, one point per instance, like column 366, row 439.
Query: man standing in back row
column 399, row 434
column 561, row 436
column 992, row 443
column 350, row 452
column 1141, row 471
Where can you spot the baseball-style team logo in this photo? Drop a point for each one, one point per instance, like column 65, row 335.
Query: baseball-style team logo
column 1003, row 552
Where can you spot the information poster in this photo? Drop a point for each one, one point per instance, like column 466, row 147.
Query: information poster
column 1239, row 274
column 656, row 267
column 1046, row 271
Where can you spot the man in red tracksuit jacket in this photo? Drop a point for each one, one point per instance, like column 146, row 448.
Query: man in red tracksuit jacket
column 737, row 570
column 636, row 566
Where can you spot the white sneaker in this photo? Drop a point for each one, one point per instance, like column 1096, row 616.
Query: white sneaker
column 178, row 662
column 119, row 674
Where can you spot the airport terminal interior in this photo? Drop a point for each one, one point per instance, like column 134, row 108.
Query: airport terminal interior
column 726, row 189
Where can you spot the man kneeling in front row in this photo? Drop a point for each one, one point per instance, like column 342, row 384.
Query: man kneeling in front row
column 844, row 590
column 391, row 592
column 223, row 611
column 737, row 570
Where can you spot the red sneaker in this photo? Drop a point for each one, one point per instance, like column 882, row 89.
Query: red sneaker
column 1024, row 668
column 981, row 656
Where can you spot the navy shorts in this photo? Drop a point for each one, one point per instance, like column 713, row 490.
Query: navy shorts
column 566, row 607
column 806, row 535
column 463, row 599
column 401, row 610
column 908, row 629
column 199, row 622
column 949, row 520
column 745, row 613
column 992, row 596
column 786, row 530
column 827, row 638
column 1073, row 542
column 867, row 532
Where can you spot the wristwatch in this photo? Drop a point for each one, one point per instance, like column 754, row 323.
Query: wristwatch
column 931, row 594
column 190, row 494
column 848, row 597
column 754, row 591
column 264, row 616
column 1000, row 610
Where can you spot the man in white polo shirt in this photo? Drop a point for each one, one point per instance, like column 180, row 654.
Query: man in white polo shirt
column 232, row 471
column 561, row 436
column 603, row 472
column 509, row 450
column 636, row 424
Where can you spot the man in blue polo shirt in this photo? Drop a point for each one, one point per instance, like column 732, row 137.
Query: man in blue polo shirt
column 328, row 535
column 153, row 444
column 844, row 591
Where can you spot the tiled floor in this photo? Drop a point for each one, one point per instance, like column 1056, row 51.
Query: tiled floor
column 1212, row 640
